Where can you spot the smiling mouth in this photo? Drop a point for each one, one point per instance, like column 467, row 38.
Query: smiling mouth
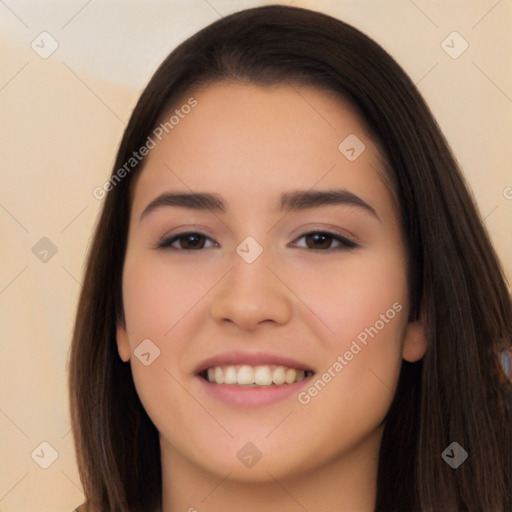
column 252, row 376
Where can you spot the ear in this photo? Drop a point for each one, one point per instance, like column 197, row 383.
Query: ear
column 415, row 343
column 123, row 343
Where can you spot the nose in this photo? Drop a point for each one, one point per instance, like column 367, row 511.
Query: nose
column 251, row 295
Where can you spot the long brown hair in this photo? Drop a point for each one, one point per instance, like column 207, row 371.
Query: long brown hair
column 457, row 393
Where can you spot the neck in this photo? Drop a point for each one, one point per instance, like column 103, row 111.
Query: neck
column 346, row 483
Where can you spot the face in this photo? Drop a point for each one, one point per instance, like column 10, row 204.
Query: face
column 272, row 308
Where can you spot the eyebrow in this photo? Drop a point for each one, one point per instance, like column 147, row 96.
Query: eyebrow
column 303, row 199
column 194, row 201
column 290, row 201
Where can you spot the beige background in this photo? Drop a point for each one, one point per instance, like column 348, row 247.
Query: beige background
column 63, row 116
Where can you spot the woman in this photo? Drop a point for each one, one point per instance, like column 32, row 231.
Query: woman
column 290, row 302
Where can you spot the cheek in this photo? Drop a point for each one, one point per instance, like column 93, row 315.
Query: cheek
column 353, row 391
column 351, row 403
column 164, row 304
column 351, row 294
column 363, row 301
column 157, row 295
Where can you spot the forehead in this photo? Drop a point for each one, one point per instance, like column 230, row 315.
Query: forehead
column 251, row 142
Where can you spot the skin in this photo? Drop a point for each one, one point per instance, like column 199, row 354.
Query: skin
column 250, row 144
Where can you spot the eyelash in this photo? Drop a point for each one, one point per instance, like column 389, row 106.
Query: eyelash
column 345, row 243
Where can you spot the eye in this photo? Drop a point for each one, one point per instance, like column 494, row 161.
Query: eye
column 190, row 241
column 323, row 240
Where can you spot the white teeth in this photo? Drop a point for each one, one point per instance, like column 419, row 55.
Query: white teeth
column 245, row 375
column 230, row 376
column 278, row 375
column 262, row 375
column 219, row 375
column 290, row 375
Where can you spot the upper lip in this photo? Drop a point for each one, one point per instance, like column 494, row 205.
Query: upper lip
column 235, row 357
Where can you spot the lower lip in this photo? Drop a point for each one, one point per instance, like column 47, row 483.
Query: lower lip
column 252, row 396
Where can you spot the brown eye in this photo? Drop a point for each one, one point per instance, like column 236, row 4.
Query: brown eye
column 324, row 240
column 192, row 241
column 318, row 241
column 184, row 242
